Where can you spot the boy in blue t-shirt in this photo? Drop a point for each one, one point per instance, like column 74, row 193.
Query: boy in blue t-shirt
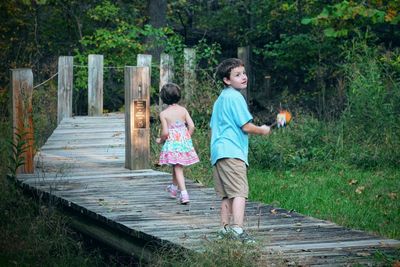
column 230, row 125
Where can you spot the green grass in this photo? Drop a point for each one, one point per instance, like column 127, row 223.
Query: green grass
column 215, row 254
column 360, row 199
column 33, row 233
column 329, row 189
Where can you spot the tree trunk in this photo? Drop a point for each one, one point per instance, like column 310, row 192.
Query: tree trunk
column 157, row 18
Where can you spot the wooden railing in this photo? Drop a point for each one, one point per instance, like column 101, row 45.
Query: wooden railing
column 137, row 100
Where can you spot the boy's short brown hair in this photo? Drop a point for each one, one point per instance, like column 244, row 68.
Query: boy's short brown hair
column 225, row 67
column 170, row 93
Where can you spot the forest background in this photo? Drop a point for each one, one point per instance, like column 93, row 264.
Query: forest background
column 334, row 64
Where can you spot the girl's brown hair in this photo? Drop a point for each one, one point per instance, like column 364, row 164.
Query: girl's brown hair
column 170, row 93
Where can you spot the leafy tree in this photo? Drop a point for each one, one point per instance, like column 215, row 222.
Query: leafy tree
column 346, row 18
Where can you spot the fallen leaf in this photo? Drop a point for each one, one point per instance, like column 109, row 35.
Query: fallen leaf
column 392, row 195
column 353, row 182
column 360, row 189
column 273, row 211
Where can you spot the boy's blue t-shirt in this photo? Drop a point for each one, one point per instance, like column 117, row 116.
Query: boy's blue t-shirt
column 230, row 113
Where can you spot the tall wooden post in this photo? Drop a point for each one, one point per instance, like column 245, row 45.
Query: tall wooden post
column 65, row 87
column 95, row 85
column 244, row 55
column 144, row 60
column 189, row 72
column 22, row 89
column 137, row 118
column 166, row 72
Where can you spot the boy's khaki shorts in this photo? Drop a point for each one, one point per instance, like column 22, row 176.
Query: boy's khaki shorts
column 230, row 178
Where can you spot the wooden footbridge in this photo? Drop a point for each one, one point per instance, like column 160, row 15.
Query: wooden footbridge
column 96, row 169
column 81, row 167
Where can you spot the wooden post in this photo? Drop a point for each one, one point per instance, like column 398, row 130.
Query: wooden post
column 144, row 60
column 22, row 89
column 137, row 117
column 65, row 87
column 166, row 72
column 95, row 85
column 189, row 72
column 244, row 55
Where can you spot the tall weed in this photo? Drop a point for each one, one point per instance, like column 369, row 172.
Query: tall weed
column 371, row 123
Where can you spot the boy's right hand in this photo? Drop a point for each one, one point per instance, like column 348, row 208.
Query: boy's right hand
column 266, row 129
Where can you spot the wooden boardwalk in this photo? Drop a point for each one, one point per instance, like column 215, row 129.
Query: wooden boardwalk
column 81, row 167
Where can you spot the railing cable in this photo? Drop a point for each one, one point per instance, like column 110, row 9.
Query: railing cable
column 46, row 80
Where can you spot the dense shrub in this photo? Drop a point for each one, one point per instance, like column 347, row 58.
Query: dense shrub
column 371, row 127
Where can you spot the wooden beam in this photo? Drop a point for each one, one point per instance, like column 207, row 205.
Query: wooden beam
column 166, row 73
column 95, row 85
column 65, row 87
column 189, row 73
column 137, row 118
column 122, row 242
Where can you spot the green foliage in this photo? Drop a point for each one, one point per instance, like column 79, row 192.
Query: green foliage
column 371, row 121
column 207, row 55
column 120, row 41
column 345, row 17
column 303, row 142
column 44, row 104
column 17, row 149
column 104, row 12
column 296, row 59
column 367, row 133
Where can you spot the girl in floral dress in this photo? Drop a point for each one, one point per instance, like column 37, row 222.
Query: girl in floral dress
column 177, row 128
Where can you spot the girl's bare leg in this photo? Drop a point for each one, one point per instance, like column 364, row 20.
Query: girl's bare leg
column 180, row 179
column 174, row 181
